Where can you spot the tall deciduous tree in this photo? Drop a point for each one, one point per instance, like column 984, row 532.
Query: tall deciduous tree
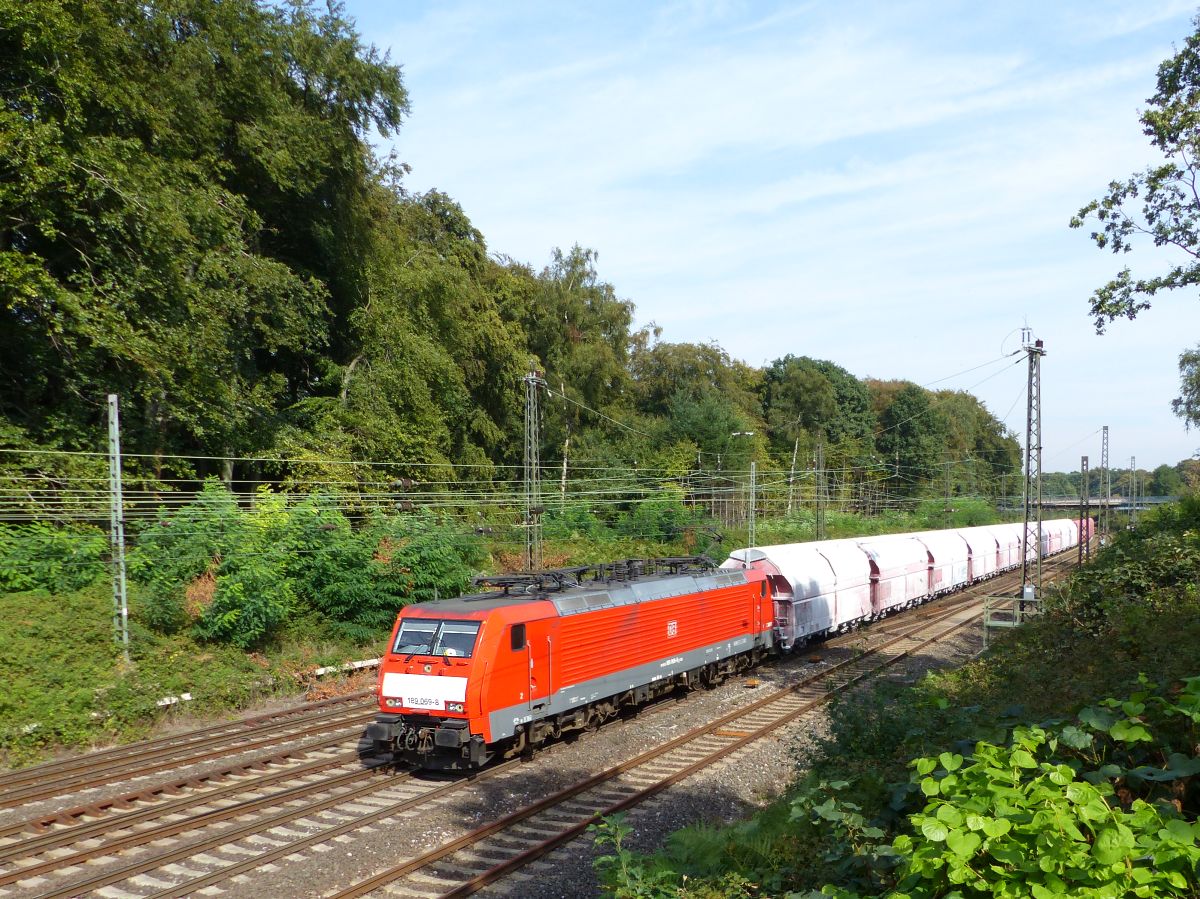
column 180, row 211
column 984, row 455
column 660, row 370
column 912, row 438
column 579, row 330
column 1160, row 205
column 818, row 397
column 433, row 372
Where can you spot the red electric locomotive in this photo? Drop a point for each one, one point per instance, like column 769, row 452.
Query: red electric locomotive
column 465, row 679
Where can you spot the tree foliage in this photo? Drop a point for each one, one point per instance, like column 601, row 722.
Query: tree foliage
column 1165, row 195
column 1161, row 205
column 182, row 210
column 39, row 556
column 816, row 397
column 191, row 216
column 1187, row 404
column 240, row 575
column 912, row 435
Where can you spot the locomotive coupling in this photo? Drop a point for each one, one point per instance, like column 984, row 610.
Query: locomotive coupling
column 392, row 730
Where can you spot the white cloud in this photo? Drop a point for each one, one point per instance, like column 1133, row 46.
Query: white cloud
column 1127, row 19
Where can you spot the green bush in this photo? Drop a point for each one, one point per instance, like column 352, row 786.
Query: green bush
column 965, row 511
column 572, row 521
column 859, row 815
column 663, row 518
column 1155, row 568
column 45, row 557
column 1096, row 808
column 253, row 599
column 242, row 575
column 799, row 527
column 425, row 558
column 338, row 581
column 65, row 683
column 1102, row 806
column 178, row 548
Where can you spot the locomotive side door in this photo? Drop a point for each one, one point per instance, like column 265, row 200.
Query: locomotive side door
column 539, row 652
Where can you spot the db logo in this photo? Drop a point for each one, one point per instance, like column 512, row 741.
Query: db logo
column 672, row 628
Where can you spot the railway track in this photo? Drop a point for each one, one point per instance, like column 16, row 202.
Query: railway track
column 220, row 741
column 219, row 828
column 464, row 865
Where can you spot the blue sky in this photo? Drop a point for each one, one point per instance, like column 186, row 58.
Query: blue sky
column 883, row 184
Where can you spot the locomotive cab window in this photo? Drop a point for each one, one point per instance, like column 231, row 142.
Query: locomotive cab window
column 517, row 637
column 434, row 637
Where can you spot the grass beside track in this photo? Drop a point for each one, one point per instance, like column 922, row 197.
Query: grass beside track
column 64, row 684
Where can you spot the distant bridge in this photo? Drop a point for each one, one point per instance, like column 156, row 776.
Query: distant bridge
column 1116, row 503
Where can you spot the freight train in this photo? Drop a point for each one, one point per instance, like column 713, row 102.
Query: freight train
column 546, row 653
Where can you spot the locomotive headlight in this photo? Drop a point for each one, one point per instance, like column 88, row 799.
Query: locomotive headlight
column 454, row 706
column 392, row 703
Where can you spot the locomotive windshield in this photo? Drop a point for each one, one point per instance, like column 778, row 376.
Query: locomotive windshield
column 434, row 637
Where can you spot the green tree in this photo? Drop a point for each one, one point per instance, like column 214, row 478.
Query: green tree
column 181, row 212
column 1159, row 205
column 912, row 439
column 578, row 329
column 986, row 457
column 824, row 397
column 433, row 373
column 1187, row 404
column 799, row 400
column 707, row 420
column 660, row 370
column 1165, row 481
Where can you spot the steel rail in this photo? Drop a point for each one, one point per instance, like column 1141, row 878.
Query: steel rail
column 227, row 837
column 77, row 832
column 70, row 817
column 291, row 848
column 146, row 747
column 195, row 884
column 90, row 777
column 67, row 837
column 234, row 869
column 503, row 869
column 224, row 837
column 520, row 859
column 397, row 808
